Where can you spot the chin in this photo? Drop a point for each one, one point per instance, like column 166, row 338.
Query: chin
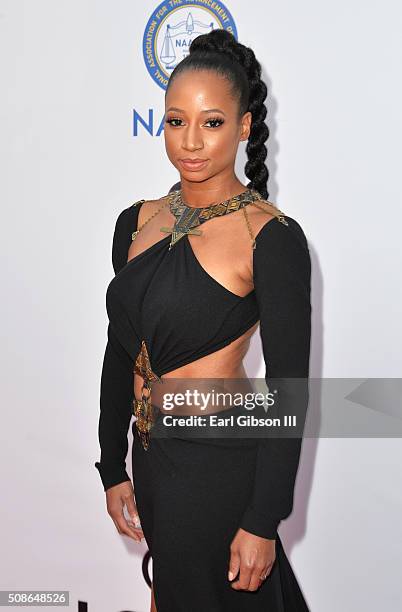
column 191, row 178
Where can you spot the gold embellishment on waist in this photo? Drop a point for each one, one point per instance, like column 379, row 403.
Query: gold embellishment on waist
column 143, row 409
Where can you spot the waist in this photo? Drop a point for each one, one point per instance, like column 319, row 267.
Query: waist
column 199, row 396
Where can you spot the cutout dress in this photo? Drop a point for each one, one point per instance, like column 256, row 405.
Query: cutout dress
column 192, row 495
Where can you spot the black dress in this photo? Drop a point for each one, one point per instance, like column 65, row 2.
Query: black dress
column 193, row 494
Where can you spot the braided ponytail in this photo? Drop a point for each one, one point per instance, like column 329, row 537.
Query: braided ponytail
column 219, row 51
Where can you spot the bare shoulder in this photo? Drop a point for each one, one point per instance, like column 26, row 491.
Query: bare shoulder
column 152, row 204
column 149, row 208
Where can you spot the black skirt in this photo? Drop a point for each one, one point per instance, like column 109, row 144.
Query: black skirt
column 191, row 493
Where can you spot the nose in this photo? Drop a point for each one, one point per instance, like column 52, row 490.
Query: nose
column 192, row 138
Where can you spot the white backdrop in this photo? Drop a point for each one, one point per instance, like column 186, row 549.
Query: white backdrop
column 72, row 74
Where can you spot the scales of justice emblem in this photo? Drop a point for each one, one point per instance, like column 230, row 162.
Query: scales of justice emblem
column 185, row 30
column 170, row 31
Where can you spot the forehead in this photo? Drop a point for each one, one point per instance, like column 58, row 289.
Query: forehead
column 194, row 89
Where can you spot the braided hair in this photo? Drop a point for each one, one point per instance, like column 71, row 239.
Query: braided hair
column 221, row 52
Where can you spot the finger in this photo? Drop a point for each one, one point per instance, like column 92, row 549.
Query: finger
column 255, row 580
column 124, row 529
column 130, row 508
column 132, row 511
column 129, row 499
column 133, row 519
column 234, row 565
column 139, row 532
column 265, row 573
column 244, row 579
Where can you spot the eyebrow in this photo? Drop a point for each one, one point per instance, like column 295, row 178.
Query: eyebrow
column 207, row 110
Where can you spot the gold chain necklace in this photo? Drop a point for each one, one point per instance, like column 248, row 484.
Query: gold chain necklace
column 134, row 234
column 188, row 218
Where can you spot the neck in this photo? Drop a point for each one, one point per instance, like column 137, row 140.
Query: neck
column 198, row 195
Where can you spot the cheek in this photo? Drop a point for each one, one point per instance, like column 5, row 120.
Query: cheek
column 222, row 146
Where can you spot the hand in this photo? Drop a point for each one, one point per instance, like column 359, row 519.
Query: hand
column 117, row 497
column 253, row 556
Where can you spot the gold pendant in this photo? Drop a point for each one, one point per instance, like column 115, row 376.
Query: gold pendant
column 179, row 233
column 193, row 230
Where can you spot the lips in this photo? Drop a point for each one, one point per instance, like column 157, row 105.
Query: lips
column 193, row 159
column 193, row 164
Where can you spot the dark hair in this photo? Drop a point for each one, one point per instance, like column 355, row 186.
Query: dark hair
column 220, row 52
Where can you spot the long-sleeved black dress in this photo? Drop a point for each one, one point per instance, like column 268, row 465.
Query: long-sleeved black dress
column 193, row 494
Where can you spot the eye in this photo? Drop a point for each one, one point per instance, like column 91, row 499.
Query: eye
column 217, row 120
column 171, row 119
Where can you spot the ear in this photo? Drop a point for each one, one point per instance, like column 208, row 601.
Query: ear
column 245, row 126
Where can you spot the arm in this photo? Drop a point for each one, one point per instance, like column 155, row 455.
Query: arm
column 282, row 272
column 116, row 391
column 116, row 388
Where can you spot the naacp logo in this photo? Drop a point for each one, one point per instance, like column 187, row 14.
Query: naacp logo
column 172, row 27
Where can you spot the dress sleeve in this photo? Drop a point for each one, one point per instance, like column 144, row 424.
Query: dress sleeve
column 116, row 386
column 282, row 273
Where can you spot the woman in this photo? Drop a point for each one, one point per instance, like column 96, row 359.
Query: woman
column 196, row 271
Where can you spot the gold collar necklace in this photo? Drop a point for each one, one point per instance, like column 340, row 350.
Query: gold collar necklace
column 188, row 218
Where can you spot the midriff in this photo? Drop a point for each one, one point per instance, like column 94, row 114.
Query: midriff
column 222, row 370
